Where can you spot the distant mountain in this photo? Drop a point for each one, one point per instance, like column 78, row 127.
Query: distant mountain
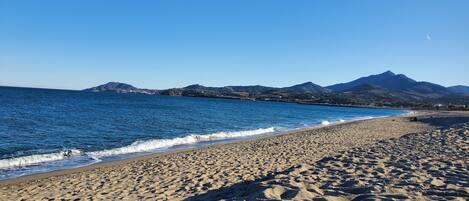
column 396, row 83
column 112, row 86
column 460, row 89
column 203, row 91
column 307, row 87
column 385, row 89
column 255, row 89
column 368, row 94
column 387, row 80
column 118, row 87
column 245, row 91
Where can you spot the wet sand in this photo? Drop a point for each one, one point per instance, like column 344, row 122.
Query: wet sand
column 385, row 158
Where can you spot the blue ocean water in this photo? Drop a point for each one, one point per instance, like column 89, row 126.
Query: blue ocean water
column 43, row 130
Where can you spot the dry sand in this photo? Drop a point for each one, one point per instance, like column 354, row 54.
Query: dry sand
column 429, row 165
column 389, row 158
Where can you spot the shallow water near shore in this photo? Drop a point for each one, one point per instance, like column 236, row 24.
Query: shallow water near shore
column 43, row 130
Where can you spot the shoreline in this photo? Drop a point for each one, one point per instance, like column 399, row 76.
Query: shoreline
column 426, row 165
column 186, row 148
column 170, row 151
column 186, row 173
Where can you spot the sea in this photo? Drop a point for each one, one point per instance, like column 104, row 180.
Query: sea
column 43, row 130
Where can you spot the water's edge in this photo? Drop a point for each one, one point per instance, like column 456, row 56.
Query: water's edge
column 133, row 156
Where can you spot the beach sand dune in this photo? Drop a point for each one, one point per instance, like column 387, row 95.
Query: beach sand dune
column 380, row 158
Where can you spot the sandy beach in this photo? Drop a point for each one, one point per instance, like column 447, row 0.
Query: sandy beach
column 387, row 158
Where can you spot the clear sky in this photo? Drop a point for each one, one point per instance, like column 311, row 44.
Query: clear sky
column 173, row 43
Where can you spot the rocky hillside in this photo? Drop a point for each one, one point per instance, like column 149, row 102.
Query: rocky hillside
column 460, row 89
column 118, row 87
column 396, row 83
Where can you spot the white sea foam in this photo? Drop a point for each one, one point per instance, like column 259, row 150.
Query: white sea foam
column 326, row 123
column 138, row 146
column 39, row 158
column 366, row 118
column 144, row 146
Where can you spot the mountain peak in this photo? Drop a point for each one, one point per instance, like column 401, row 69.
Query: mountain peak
column 112, row 86
column 395, row 83
column 387, row 80
column 195, row 86
column 117, row 84
column 306, row 84
column 306, row 87
column 114, row 82
column 388, row 73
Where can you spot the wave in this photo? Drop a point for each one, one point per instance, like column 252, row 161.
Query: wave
column 136, row 147
column 36, row 159
column 326, row 123
column 144, row 146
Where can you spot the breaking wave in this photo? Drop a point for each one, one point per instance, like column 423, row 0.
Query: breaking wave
column 136, row 147
column 143, row 146
column 39, row 158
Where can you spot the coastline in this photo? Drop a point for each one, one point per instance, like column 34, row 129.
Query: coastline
column 229, row 98
column 290, row 144
column 185, row 148
column 203, row 143
column 427, row 165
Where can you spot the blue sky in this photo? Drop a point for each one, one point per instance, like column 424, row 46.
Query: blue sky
column 173, row 43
